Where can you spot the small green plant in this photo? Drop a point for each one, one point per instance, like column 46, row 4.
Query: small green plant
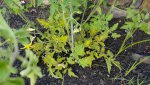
column 136, row 81
column 136, row 21
column 9, row 52
column 67, row 42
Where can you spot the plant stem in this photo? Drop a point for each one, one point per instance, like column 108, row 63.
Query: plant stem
column 93, row 11
column 112, row 6
column 84, row 13
column 1, row 44
column 123, row 44
column 71, row 24
column 138, row 42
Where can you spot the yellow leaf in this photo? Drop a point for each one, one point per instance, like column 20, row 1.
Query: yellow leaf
column 87, row 43
column 44, row 23
column 63, row 39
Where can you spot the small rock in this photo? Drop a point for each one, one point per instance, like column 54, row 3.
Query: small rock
column 117, row 13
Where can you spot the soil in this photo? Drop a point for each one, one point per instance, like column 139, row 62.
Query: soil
column 97, row 74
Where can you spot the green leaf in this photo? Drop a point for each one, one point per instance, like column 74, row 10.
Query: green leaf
column 49, row 59
column 145, row 27
column 114, row 27
column 3, row 10
column 109, row 17
column 60, row 59
column 58, row 73
column 15, row 5
column 117, row 64
column 71, row 74
column 22, row 32
column 26, row 71
column 44, row 23
column 99, row 10
column 87, row 42
column 136, row 63
column 5, row 30
column 37, row 46
column 31, row 70
column 32, row 77
column 4, row 70
column 63, row 39
column 131, row 12
column 39, row 2
column 23, row 40
column 115, row 35
column 52, row 10
column 70, row 60
column 147, row 16
column 100, row 55
column 103, row 37
column 86, row 61
column 109, row 53
column 148, row 32
column 37, row 71
column 51, row 71
column 22, row 35
column 13, row 81
column 109, row 65
column 79, row 49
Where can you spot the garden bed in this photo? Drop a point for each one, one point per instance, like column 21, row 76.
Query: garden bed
column 56, row 46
